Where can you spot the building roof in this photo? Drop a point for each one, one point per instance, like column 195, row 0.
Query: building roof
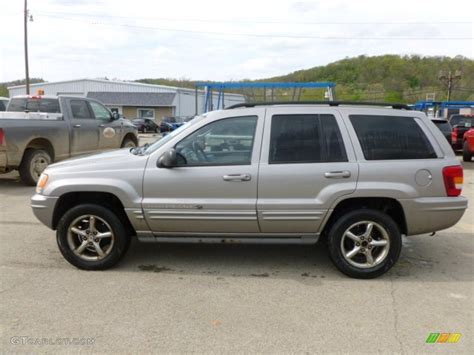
column 116, row 85
column 143, row 99
column 103, row 81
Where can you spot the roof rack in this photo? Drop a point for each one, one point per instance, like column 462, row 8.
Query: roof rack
column 396, row 106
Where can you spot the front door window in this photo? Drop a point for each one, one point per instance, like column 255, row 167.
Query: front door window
column 224, row 142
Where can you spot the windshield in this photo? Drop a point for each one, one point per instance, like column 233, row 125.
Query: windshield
column 34, row 105
column 168, row 137
column 462, row 121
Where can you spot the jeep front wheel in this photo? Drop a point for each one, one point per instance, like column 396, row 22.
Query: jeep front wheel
column 92, row 237
column 364, row 243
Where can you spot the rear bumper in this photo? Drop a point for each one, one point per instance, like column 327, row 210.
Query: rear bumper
column 43, row 208
column 431, row 214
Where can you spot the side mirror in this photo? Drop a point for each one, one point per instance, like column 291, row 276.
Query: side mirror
column 115, row 115
column 168, row 159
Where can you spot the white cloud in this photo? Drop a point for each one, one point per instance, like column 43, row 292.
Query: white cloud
column 129, row 40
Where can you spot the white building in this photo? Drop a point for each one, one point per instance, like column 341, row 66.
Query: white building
column 131, row 99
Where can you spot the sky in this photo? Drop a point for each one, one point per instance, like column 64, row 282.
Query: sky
column 221, row 40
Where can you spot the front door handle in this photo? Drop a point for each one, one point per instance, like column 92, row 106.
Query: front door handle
column 102, row 125
column 237, row 177
column 77, row 126
column 337, row 174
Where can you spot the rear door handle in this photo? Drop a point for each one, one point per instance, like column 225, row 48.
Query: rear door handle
column 337, row 174
column 77, row 126
column 237, row 177
column 102, row 125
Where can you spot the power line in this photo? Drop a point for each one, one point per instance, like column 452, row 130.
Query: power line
column 213, row 20
column 390, row 38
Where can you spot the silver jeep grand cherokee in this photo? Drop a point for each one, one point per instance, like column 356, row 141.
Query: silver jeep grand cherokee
column 359, row 176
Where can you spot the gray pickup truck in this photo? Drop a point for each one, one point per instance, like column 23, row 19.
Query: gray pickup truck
column 38, row 130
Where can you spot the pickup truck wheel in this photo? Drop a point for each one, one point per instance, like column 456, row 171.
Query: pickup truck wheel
column 466, row 154
column 91, row 237
column 128, row 143
column 364, row 243
column 33, row 164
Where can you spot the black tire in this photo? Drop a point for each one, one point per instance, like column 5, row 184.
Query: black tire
column 336, row 234
column 128, row 143
column 466, row 154
column 29, row 174
column 121, row 240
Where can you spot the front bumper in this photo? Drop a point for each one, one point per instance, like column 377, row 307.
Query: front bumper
column 43, row 208
column 431, row 214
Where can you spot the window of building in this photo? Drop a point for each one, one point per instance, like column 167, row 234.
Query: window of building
column 146, row 113
column 224, row 142
column 305, row 139
column 391, row 137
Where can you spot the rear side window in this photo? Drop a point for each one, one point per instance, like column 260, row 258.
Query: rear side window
column 80, row 109
column 34, row 105
column 391, row 138
column 305, row 139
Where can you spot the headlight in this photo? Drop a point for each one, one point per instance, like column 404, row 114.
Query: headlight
column 42, row 181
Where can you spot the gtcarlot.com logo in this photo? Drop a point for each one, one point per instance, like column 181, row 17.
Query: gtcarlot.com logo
column 443, row 338
column 27, row 340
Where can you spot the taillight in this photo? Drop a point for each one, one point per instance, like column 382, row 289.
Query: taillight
column 453, row 180
column 2, row 136
column 454, row 134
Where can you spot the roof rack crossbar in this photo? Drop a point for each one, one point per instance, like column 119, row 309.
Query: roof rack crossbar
column 397, row 106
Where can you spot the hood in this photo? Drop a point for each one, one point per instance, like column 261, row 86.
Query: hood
column 115, row 160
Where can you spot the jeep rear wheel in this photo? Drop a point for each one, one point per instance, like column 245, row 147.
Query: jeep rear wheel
column 91, row 237
column 364, row 243
column 33, row 164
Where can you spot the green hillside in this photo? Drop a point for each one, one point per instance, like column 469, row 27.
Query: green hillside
column 391, row 78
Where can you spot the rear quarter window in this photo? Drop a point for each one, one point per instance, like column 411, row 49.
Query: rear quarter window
column 391, row 138
column 34, row 105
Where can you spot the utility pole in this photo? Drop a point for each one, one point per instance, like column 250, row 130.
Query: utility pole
column 449, row 80
column 27, row 72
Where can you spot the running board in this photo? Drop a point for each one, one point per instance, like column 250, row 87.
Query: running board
column 271, row 239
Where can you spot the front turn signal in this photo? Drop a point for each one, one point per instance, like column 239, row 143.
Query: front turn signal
column 42, row 181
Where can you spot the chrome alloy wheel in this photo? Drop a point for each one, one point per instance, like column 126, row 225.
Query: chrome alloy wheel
column 38, row 165
column 90, row 237
column 365, row 244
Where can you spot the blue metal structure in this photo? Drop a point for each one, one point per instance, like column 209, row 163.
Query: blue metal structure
column 438, row 106
column 219, row 87
column 424, row 105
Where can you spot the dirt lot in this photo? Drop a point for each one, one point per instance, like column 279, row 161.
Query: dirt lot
column 229, row 298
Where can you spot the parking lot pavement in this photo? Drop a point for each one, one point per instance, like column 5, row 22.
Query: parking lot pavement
column 229, row 298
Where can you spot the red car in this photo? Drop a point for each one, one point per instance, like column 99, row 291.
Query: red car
column 468, row 145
